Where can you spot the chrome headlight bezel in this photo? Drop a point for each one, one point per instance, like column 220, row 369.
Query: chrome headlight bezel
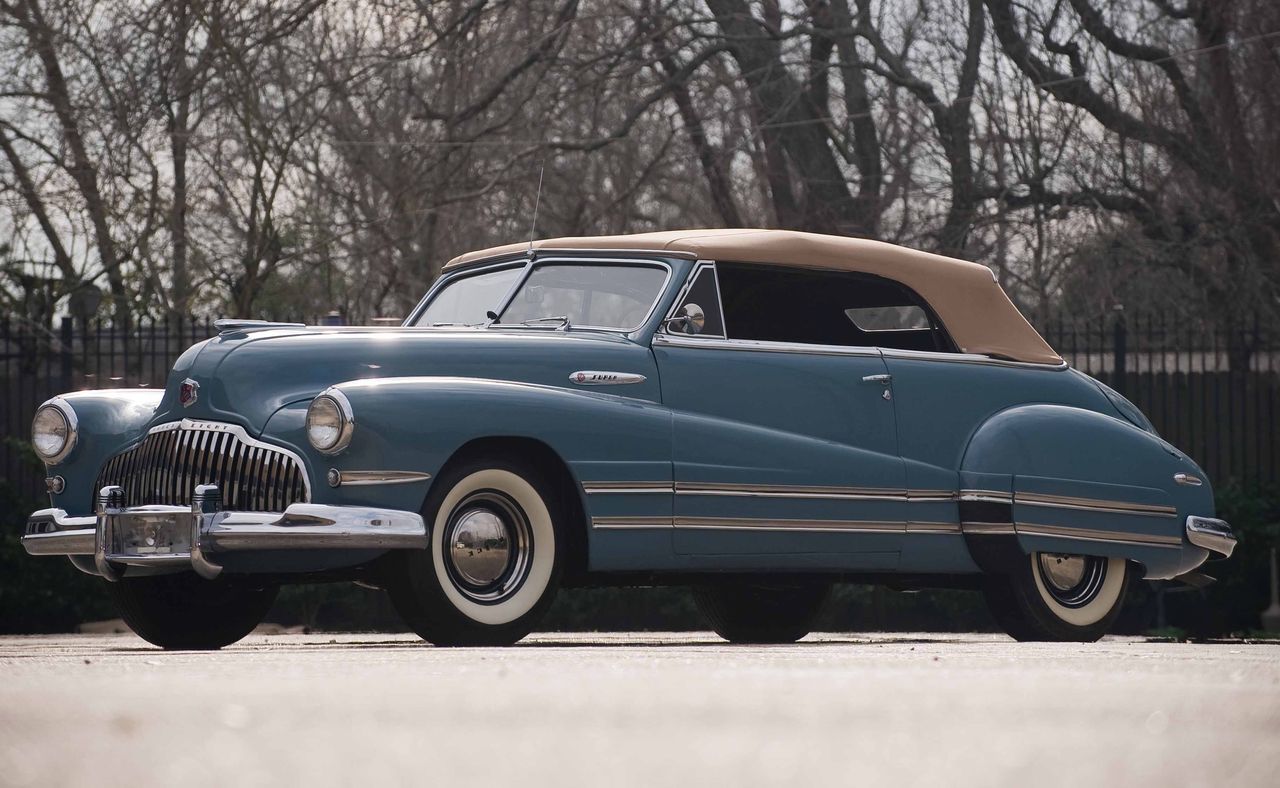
column 64, row 411
column 346, row 421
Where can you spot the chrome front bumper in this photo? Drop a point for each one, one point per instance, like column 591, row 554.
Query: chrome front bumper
column 182, row 537
column 1213, row 535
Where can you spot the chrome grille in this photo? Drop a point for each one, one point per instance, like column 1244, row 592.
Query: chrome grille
column 168, row 464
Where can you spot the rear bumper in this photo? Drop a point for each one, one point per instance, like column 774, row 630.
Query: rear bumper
column 1213, row 535
column 174, row 538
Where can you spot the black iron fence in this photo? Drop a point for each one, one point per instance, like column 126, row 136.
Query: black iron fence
column 38, row 362
column 1212, row 392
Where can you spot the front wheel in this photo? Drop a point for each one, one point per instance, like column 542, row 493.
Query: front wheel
column 1059, row 597
column 763, row 611
column 493, row 564
column 186, row 612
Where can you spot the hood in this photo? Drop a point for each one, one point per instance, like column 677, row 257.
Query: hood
column 245, row 377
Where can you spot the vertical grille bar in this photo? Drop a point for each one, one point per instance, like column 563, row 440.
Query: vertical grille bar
column 138, row 477
column 255, row 462
column 201, row 475
column 235, row 477
column 179, row 465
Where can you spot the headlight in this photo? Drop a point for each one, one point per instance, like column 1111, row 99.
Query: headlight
column 53, row 431
column 330, row 422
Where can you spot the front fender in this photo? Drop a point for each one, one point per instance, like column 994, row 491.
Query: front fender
column 108, row 421
column 418, row 423
column 1078, row 481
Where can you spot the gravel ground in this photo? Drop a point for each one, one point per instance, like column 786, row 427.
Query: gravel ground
column 638, row 709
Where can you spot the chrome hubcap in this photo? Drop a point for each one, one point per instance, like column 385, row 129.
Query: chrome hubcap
column 488, row 546
column 1064, row 572
column 480, row 547
column 1072, row 580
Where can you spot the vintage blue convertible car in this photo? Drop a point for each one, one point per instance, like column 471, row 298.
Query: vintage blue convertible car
column 755, row 413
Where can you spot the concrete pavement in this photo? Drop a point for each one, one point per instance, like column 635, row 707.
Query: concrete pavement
column 638, row 709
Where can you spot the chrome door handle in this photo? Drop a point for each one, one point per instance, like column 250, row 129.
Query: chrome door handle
column 882, row 379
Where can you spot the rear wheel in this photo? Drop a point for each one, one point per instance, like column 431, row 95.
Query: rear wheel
column 186, row 612
column 762, row 611
column 493, row 564
column 1059, row 597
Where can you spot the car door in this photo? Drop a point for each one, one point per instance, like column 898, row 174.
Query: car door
column 784, row 452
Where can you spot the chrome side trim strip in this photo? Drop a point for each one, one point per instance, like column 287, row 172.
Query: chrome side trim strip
column 933, row 528
column 770, row 491
column 1188, row 480
column 1093, row 535
column 718, row 343
column 986, row 496
column 1094, row 504
column 988, row 529
column 878, row 494
column 931, row 495
column 969, row 358
column 366, row 478
column 878, row 527
column 628, row 488
column 629, row 523
column 786, row 491
column 754, row 524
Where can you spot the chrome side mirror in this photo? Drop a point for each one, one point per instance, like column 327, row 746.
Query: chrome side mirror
column 689, row 320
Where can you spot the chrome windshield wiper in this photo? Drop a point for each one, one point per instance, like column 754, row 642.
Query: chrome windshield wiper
column 563, row 320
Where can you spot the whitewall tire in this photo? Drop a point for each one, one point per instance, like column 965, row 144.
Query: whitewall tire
column 1059, row 597
column 494, row 561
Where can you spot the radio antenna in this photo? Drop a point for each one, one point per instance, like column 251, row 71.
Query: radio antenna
column 533, row 226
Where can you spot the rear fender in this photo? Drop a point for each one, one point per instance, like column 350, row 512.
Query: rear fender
column 1070, row 480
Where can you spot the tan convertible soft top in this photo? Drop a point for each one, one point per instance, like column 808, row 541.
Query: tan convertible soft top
column 975, row 311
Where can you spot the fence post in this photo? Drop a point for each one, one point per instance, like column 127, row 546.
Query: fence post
column 1121, row 350
column 66, row 352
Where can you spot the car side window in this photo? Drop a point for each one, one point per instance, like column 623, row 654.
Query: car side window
column 705, row 293
column 774, row 304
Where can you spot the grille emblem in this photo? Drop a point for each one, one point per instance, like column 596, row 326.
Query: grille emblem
column 188, row 393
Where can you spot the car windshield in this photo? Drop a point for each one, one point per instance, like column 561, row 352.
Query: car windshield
column 597, row 295
column 465, row 300
column 601, row 296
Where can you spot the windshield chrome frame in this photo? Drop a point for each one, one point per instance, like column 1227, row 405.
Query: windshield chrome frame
column 529, row 263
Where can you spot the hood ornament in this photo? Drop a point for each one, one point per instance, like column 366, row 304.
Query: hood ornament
column 188, row 392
